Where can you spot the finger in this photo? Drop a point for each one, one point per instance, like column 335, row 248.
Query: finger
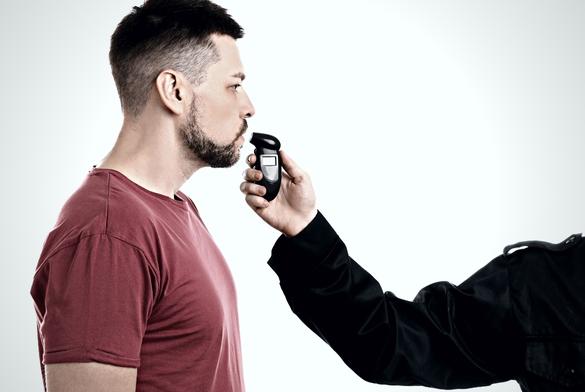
column 252, row 174
column 256, row 201
column 290, row 166
column 251, row 160
column 253, row 189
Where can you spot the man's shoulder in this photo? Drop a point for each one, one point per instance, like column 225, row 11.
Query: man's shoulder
column 92, row 209
column 570, row 242
column 546, row 285
column 538, row 259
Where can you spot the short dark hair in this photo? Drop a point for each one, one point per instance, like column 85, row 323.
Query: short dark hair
column 163, row 34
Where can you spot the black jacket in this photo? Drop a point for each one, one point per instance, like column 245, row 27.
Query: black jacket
column 520, row 317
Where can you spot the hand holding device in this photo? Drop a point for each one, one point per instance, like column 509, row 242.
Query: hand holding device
column 295, row 206
column 268, row 162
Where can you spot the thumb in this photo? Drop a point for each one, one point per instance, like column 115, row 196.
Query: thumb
column 290, row 166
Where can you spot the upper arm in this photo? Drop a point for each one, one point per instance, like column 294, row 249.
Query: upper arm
column 93, row 302
column 89, row 377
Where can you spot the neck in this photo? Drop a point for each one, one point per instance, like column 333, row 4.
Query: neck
column 149, row 152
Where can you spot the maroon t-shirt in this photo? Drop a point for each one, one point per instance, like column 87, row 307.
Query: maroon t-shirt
column 130, row 277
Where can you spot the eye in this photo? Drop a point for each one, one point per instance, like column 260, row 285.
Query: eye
column 235, row 87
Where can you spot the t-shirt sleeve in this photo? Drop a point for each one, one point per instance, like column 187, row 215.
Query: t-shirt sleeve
column 93, row 300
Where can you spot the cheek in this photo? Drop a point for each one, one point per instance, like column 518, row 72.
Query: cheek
column 220, row 120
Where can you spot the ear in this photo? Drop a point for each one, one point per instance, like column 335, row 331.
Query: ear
column 172, row 89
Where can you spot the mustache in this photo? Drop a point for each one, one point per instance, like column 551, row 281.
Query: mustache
column 243, row 128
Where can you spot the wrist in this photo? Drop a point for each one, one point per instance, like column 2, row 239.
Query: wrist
column 298, row 224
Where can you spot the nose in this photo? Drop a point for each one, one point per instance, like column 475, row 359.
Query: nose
column 248, row 109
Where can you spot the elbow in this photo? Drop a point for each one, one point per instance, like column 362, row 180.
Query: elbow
column 370, row 366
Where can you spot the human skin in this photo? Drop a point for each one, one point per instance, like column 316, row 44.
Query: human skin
column 295, row 205
column 159, row 150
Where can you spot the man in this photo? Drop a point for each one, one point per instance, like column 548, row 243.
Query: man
column 521, row 317
column 130, row 290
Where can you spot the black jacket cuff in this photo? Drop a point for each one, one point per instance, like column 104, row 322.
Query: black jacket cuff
column 291, row 256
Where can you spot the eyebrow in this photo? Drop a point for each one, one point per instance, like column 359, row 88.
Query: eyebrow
column 239, row 75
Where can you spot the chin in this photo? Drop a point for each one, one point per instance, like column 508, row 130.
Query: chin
column 236, row 159
column 226, row 163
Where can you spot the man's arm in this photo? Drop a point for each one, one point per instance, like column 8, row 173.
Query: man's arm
column 448, row 337
column 89, row 377
column 93, row 300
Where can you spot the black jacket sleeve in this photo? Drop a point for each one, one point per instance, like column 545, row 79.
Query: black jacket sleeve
column 447, row 337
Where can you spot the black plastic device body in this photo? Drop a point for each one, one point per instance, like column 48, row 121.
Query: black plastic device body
column 268, row 162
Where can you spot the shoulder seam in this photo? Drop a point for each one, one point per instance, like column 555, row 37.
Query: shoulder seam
column 72, row 243
column 107, row 203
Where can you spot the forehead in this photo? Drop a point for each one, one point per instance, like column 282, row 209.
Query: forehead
column 230, row 62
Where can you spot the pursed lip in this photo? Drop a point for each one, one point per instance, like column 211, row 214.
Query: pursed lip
column 243, row 130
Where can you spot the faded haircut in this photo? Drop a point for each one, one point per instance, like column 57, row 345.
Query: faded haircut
column 165, row 34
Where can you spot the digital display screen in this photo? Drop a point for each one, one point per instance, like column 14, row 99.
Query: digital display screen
column 268, row 160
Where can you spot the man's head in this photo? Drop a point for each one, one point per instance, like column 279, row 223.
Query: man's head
column 179, row 58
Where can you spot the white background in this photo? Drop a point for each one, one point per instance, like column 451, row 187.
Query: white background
column 435, row 133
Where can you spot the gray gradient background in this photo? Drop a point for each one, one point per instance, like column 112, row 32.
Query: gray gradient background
column 435, row 132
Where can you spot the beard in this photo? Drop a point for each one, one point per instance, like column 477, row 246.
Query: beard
column 200, row 146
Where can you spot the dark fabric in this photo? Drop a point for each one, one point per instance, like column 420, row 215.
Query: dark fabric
column 520, row 317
